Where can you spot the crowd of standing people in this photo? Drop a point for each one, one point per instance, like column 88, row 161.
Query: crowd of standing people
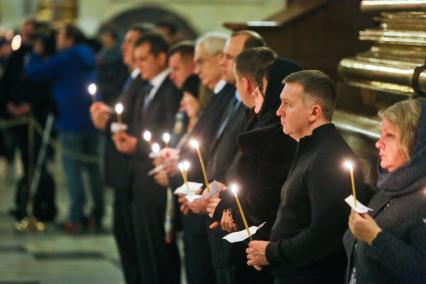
column 257, row 120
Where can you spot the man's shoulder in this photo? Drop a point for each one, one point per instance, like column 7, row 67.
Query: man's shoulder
column 222, row 98
column 227, row 89
column 330, row 150
column 168, row 86
column 168, row 92
column 335, row 148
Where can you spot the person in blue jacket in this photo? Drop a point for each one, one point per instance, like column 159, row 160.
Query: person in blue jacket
column 70, row 72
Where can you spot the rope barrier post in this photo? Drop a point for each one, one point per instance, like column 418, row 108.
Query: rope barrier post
column 33, row 127
column 30, row 141
column 30, row 222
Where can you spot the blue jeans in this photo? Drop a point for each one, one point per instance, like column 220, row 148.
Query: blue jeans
column 86, row 143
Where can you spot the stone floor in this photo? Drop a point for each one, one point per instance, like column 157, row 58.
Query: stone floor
column 52, row 257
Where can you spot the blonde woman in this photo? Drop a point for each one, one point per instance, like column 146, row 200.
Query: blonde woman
column 389, row 244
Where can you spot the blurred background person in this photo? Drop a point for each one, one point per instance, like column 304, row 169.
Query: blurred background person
column 190, row 103
column 111, row 73
column 169, row 30
column 191, row 107
column 5, row 50
column 7, row 147
column 70, row 71
column 23, row 97
column 182, row 66
column 181, row 62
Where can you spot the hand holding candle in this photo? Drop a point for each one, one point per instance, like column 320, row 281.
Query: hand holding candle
column 92, row 89
column 194, row 144
column 119, row 110
column 349, row 165
column 234, row 189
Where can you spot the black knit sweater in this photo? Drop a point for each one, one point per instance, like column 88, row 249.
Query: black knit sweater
column 306, row 244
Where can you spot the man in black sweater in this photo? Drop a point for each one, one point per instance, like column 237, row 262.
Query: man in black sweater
column 306, row 240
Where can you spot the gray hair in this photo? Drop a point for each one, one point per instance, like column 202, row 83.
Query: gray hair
column 213, row 42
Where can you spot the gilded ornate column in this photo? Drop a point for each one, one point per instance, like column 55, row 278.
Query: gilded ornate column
column 395, row 62
column 57, row 10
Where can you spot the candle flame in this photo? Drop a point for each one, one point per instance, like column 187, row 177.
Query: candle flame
column 147, row 135
column 92, row 89
column 180, row 167
column 166, row 137
column 186, row 165
column 16, row 42
column 156, row 148
column 348, row 164
column 119, row 108
column 194, row 144
column 234, row 189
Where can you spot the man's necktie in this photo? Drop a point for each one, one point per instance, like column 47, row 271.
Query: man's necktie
column 148, row 96
column 232, row 107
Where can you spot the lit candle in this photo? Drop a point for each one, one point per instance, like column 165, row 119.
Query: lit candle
column 194, row 144
column 16, row 42
column 156, row 148
column 234, row 189
column 119, row 110
column 92, row 91
column 147, row 136
column 350, row 166
column 183, row 168
column 166, row 138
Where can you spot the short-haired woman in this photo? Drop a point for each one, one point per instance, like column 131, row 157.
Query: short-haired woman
column 389, row 244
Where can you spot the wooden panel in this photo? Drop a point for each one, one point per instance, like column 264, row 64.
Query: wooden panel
column 317, row 34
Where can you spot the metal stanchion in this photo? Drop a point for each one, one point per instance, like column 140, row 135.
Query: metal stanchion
column 31, row 223
column 34, row 173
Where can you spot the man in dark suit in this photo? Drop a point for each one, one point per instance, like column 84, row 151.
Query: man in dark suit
column 223, row 147
column 119, row 172
column 208, row 52
column 155, row 110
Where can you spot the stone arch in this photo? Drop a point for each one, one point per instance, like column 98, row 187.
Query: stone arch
column 149, row 14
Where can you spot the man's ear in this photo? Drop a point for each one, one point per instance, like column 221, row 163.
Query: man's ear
column 245, row 83
column 251, row 85
column 315, row 112
column 162, row 59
